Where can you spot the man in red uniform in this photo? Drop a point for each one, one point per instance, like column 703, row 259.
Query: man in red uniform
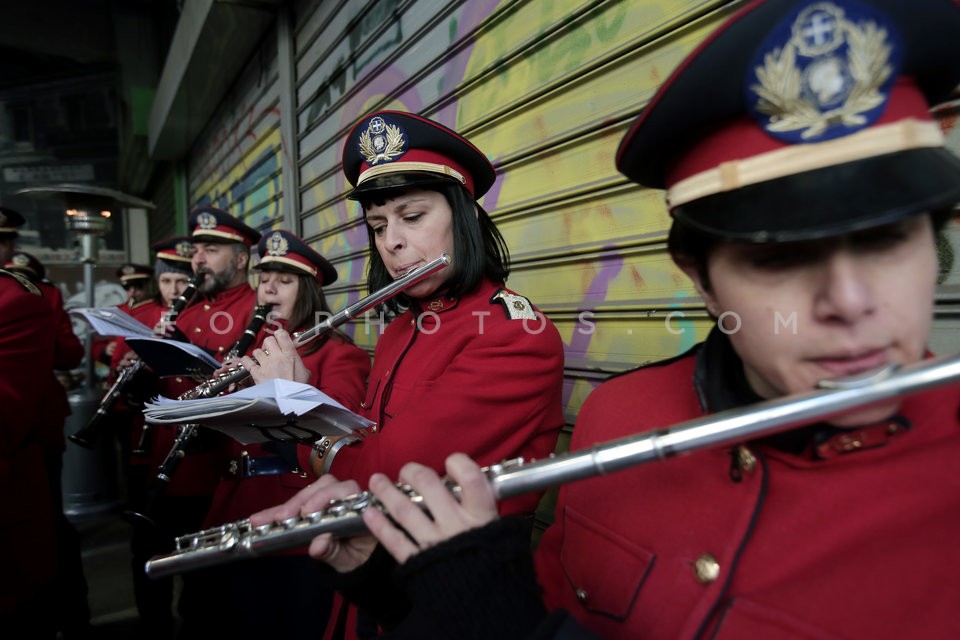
column 806, row 197
column 27, row 524
column 72, row 610
column 215, row 322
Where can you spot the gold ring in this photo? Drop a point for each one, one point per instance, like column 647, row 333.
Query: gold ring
column 266, row 352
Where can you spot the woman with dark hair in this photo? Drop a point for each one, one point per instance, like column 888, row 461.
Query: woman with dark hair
column 481, row 250
column 459, row 343
column 466, row 364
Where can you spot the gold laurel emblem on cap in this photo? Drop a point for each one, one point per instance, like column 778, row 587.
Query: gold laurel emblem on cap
column 792, row 95
column 381, row 142
column 207, row 220
column 128, row 270
column 277, row 245
column 184, row 249
column 20, row 260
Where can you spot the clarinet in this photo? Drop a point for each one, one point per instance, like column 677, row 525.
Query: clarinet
column 245, row 341
column 343, row 517
column 87, row 436
column 186, row 432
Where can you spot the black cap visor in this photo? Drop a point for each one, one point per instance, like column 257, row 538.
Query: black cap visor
column 830, row 201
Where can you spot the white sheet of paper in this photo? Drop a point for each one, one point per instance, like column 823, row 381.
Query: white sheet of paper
column 111, row 321
column 272, row 410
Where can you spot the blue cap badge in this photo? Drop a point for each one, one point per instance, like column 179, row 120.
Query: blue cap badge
column 825, row 72
column 381, row 142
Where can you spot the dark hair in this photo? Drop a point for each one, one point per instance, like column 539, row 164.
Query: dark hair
column 240, row 248
column 310, row 301
column 479, row 249
column 691, row 247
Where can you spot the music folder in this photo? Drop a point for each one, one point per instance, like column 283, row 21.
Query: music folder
column 274, row 410
column 173, row 358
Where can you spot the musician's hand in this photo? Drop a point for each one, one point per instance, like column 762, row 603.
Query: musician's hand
column 226, row 365
column 476, row 508
column 343, row 554
column 277, row 357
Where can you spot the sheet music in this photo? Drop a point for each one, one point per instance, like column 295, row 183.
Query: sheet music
column 111, row 321
column 272, row 410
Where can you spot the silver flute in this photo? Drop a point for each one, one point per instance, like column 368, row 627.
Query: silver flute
column 216, row 384
column 239, row 540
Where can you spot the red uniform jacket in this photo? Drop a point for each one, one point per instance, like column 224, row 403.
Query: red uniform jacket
column 469, row 378
column 27, row 540
column 214, row 324
column 340, row 369
column 68, row 354
column 860, row 545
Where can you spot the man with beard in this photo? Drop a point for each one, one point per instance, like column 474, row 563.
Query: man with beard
column 214, row 322
column 222, row 254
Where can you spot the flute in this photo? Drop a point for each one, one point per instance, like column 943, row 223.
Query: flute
column 215, row 385
column 239, row 540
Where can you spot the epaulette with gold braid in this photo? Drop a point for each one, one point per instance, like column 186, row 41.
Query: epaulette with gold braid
column 24, row 282
column 137, row 305
column 517, row 307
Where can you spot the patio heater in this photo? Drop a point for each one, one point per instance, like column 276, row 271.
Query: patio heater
column 90, row 476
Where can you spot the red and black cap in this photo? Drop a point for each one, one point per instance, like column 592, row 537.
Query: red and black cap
column 822, row 128
column 10, row 221
column 390, row 149
column 173, row 256
column 209, row 224
column 280, row 250
column 176, row 249
column 131, row 274
column 26, row 264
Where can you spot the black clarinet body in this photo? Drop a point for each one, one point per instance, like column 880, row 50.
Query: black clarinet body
column 188, row 433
